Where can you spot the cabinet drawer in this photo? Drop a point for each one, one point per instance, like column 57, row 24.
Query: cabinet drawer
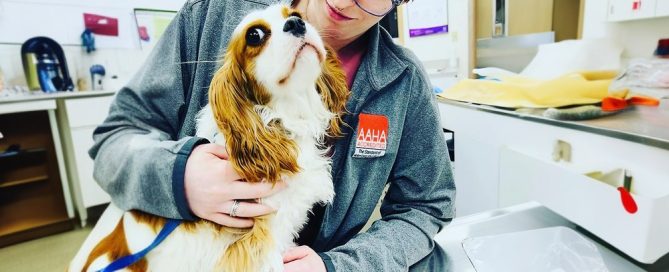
column 595, row 205
column 87, row 111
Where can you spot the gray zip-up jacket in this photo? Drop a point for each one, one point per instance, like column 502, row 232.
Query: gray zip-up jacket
column 142, row 147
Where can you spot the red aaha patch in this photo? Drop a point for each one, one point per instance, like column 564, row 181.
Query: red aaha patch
column 372, row 136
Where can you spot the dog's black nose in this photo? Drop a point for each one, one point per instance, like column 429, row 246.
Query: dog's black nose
column 295, row 26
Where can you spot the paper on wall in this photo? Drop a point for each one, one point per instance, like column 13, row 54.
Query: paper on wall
column 151, row 25
column 427, row 17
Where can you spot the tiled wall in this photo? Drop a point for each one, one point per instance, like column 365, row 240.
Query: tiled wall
column 119, row 63
column 62, row 21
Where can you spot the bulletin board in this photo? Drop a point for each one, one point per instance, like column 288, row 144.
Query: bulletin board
column 151, row 24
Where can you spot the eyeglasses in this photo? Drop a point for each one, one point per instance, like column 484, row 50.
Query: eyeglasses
column 378, row 8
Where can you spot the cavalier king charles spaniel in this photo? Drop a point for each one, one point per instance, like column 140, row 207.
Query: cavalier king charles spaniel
column 277, row 97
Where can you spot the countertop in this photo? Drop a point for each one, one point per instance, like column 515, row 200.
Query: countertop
column 640, row 124
column 35, row 96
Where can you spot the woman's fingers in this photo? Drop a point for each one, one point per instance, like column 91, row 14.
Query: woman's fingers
column 246, row 209
column 229, row 221
column 216, row 150
column 247, row 190
column 295, row 253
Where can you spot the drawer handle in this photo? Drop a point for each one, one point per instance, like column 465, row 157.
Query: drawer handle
column 625, row 196
column 561, row 151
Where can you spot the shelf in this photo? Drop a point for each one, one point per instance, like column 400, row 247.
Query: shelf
column 9, row 161
column 23, row 181
column 30, row 223
column 23, row 167
column 28, row 230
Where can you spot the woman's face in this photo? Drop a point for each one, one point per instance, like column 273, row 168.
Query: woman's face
column 339, row 21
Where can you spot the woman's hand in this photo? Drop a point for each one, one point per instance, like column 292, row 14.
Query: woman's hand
column 212, row 185
column 302, row 259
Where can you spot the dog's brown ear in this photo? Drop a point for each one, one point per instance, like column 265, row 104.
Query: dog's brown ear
column 334, row 90
column 257, row 151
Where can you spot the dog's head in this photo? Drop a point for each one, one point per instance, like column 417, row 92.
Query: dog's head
column 279, row 49
column 273, row 55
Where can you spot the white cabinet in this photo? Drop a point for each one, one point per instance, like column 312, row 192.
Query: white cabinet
column 92, row 194
column 624, row 10
column 662, row 8
column 482, row 134
column 78, row 118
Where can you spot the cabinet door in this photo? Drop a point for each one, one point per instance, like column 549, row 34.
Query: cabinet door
column 623, row 10
column 662, row 8
column 91, row 192
column 85, row 112
column 529, row 16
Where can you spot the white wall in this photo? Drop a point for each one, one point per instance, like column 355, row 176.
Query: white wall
column 62, row 20
column 440, row 51
column 121, row 61
column 639, row 37
column 450, row 50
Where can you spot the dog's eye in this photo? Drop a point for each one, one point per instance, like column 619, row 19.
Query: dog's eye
column 255, row 36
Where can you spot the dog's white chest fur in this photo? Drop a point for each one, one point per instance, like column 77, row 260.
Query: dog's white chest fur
column 201, row 250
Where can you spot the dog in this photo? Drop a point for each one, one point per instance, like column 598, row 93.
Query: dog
column 279, row 94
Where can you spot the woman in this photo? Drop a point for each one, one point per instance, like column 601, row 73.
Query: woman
column 147, row 159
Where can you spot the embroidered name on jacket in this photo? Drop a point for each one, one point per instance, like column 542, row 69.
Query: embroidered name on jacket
column 372, row 137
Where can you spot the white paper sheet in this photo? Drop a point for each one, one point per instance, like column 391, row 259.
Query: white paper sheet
column 427, row 17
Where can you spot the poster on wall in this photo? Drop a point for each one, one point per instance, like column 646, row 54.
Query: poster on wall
column 151, row 24
column 101, row 25
column 427, row 17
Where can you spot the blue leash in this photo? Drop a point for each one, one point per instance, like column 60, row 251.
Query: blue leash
column 126, row 261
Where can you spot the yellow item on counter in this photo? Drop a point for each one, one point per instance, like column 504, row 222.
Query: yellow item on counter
column 522, row 92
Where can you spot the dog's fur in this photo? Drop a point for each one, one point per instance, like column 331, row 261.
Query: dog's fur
column 271, row 105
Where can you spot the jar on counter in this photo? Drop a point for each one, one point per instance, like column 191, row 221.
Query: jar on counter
column 662, row 50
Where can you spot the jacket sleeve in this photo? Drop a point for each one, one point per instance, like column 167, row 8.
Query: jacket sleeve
column 139, row 159
column 420, row 198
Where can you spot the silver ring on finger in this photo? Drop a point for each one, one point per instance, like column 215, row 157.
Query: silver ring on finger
column 233, row 208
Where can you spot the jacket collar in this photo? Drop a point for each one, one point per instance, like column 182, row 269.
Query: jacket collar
column 381, row 62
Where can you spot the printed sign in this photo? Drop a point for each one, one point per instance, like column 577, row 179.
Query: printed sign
column 427, row 17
